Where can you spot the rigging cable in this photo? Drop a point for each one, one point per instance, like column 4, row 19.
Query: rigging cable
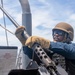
column 5, row 25
column 7, row 30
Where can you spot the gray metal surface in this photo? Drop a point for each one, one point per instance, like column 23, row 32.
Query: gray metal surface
column 61, row 70
column 7, row 59
column 24, row 58
column 43, row 71
column 26, row 16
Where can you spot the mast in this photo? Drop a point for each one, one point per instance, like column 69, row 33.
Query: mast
column 26, row 16
column 26, row 21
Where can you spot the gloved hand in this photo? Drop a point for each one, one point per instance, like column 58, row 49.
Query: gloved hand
column 35, row 39
column 20, row 34
column 20, row 29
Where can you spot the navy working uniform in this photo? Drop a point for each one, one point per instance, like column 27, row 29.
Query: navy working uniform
column 68, row 51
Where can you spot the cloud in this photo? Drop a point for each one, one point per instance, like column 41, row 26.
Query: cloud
column 45, row 15
column 72, row 17
column 1, row 15
column 14, row 9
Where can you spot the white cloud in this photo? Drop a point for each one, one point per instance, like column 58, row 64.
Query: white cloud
column 49, row 15
column 45, row 14
column 1, row 15
column 43, row 1
column 72, row 17
column 18, row 18
column 14, row 9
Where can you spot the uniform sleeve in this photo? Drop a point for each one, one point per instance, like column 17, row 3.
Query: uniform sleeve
column 64, row 49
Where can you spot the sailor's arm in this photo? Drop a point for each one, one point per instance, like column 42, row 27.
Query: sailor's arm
column 67, row 50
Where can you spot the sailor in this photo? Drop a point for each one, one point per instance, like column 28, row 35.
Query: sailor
column 63, row 34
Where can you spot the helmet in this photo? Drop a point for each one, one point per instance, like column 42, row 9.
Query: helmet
column 66, row 28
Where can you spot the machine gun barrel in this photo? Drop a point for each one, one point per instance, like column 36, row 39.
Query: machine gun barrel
column 44, row 58
column 11, row 19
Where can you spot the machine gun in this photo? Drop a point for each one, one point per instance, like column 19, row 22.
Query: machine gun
column 48, row 66
column 45, row 59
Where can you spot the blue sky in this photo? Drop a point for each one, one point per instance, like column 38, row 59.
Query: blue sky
column 45, row 15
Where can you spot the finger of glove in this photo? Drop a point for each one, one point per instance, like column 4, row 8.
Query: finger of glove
column 20, row 29
column 30, row 42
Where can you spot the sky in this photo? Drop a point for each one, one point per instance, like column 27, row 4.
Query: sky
column 45, row 15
